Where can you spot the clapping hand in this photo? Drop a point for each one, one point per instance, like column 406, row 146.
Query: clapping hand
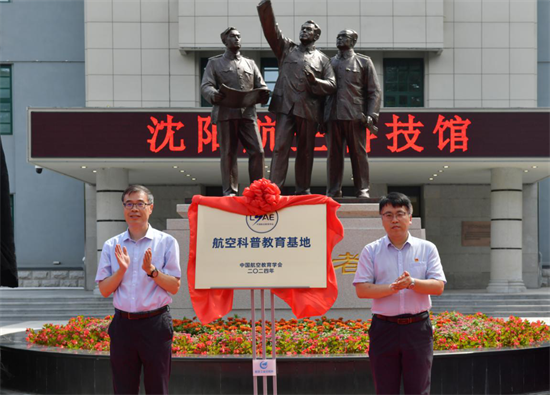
column 122, row 257
column 402, row 282
column 147, row 261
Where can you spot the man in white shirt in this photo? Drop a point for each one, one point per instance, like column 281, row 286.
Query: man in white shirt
column 141, row 267
column 400, row 272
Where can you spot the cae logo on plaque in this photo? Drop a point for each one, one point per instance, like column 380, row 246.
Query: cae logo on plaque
column 262, row 223
column 264, row 367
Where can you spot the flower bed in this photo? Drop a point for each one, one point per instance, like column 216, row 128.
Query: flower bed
column 232, row 336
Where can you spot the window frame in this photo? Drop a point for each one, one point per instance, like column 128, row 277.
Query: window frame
column 7, row 101
column 400, row 94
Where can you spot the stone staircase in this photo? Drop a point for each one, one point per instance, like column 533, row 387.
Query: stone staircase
column 532, row 304
column 60, row 304
column 50, row 304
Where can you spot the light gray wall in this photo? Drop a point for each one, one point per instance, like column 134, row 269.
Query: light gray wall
column 44, row 42
column 445, row 207
column 544, row 222
column 543, row 38
column 532, row 269
column 488, row 57
column 167, row 197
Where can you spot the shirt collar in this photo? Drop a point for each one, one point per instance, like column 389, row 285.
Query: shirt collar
column 232, row 56
column 346, row 54
column 149, row 235
column 388, row 243
column 310, row 48
column 152, row 231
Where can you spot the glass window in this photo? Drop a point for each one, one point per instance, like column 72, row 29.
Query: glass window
column 5, row 100
column 404, row 82
column 270, row 72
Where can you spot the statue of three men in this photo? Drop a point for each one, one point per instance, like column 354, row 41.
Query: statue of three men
column 311, row 91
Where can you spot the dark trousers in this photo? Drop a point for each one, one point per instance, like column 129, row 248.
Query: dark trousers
column 401, row 352
column 353, row 134
column 305, row 130
column 229, row 134
column 141, row 343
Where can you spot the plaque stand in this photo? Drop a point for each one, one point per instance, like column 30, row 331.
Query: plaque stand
column 264, row 339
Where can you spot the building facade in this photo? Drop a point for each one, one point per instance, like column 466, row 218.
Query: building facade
column 466, row 56
column 432, row 54
column 42, row 65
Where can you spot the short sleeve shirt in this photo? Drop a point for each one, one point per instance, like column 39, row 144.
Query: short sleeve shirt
column 382, row 263
column 137, row 292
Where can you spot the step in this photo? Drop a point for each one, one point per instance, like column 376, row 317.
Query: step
column 542, row 296
column 54, row 306
column 493, row 302
column 531, row 314
column 494, row 307
column 55, row 310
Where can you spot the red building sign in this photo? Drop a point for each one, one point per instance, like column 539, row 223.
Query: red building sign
column 177, row 134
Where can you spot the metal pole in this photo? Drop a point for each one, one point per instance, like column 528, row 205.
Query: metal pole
column 273, row 340
column 264, row 340
column 253, row 324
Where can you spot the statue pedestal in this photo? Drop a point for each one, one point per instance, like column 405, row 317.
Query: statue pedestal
column 362, row 225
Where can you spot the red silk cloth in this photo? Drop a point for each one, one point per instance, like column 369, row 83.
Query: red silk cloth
column 261, row 198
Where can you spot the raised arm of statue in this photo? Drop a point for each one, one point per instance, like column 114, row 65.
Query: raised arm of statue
column 272, row 33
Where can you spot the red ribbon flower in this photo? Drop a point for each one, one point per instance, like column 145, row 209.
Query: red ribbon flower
column 262, row 194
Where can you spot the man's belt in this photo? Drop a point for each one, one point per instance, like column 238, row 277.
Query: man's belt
column 142, row 314
column 404, row 319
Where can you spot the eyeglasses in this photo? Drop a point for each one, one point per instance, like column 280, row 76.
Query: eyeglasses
column 399, row 215
column 139, row 205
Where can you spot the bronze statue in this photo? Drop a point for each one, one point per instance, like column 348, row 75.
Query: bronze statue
column 354, row 107
column 305, row 78
column 235, row 124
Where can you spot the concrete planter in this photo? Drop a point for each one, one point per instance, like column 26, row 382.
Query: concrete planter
column 44, row 370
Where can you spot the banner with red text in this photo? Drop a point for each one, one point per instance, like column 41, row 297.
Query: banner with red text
column 91, row 133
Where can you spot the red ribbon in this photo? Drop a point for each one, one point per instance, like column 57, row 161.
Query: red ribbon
column 263, row 197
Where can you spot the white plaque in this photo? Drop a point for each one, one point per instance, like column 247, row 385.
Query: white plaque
column 264, row 367
column 283, row 249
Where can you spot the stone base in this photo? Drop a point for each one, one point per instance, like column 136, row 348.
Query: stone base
column 356, row 200
column 506, row 286
column 484, row 371
column 51, row 278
